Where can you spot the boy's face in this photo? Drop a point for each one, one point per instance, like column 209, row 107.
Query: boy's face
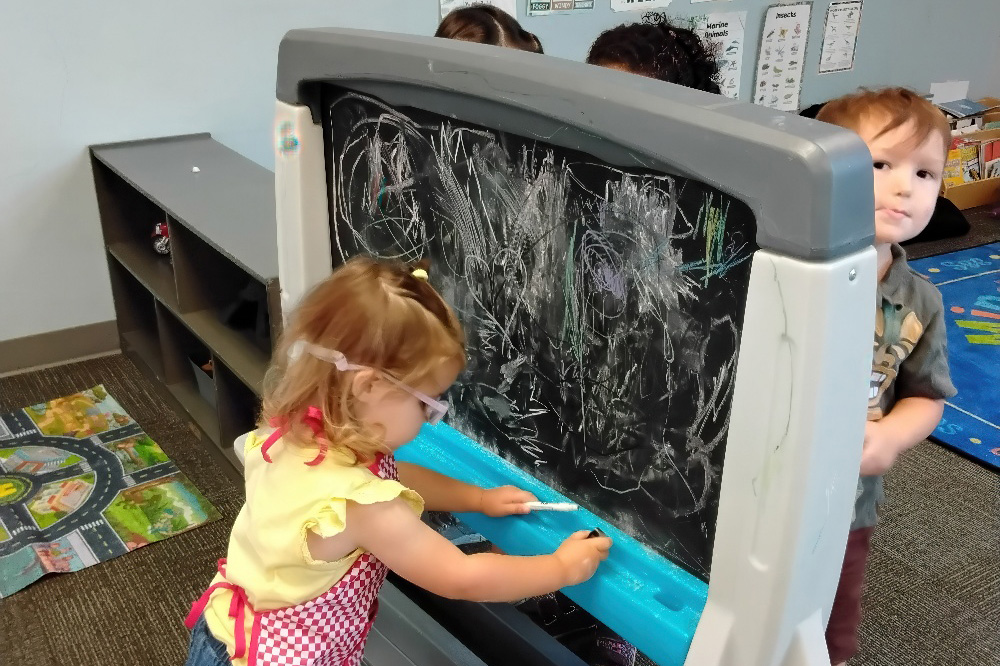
column 907, row 179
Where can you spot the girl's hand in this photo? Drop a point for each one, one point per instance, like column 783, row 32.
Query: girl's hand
column 580, row 555
column 505, row 501
column 880, row 451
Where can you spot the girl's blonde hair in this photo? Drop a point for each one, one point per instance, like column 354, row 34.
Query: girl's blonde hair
column 378, row 314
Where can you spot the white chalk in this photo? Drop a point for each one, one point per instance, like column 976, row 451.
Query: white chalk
column 195, row 170
column 552, row 506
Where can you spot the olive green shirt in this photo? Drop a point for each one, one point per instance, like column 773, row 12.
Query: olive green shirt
column 910, row 359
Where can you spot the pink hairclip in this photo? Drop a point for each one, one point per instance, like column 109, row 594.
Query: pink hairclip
column 435, row 410
column 332, row 356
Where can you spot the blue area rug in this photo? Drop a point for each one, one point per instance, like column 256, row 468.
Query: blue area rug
column 969, row 281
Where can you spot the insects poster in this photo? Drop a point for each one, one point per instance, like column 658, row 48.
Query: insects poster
column 782, row 52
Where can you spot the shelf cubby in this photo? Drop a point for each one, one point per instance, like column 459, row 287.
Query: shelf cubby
column 137, row 325
column 184, row 356
column 211, row 290
column 213, row 300
column 239, row 407
column 128, row 220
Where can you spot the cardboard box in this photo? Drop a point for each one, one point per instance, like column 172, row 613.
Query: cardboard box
column 993, row 115
column 974, row 194
column 966, row 115
column 978, row 192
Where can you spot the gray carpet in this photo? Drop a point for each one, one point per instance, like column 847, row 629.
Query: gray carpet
column 933, row 579
column 128, row 610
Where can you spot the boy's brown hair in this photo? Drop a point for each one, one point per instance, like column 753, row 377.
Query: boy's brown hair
column 897, row 106
column 486, row 24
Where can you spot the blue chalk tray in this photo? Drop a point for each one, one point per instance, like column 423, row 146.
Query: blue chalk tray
column 644, row 597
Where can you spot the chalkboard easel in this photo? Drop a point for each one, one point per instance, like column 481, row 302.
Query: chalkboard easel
column 632, row 179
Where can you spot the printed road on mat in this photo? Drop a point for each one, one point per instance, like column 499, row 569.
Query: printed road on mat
column 81, row 483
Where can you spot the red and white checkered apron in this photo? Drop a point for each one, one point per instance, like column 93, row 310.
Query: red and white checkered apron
column 329, row 630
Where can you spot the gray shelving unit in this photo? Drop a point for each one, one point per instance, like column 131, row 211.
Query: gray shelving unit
column 176, row 312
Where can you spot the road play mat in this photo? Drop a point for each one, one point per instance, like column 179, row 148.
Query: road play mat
column 969, row 281
column 80, row 483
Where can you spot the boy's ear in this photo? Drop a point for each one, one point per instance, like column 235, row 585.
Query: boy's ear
column 363, row 385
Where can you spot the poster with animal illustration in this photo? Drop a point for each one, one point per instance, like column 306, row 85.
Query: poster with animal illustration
column 840, row 36
column 782, row 53
column 725, row 31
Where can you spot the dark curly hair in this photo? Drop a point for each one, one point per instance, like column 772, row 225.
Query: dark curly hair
column 486, row 24
column 660, row 50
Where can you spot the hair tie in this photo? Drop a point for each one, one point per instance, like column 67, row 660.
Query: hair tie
column 314, row 419
column 280, row 425
column 420, row 274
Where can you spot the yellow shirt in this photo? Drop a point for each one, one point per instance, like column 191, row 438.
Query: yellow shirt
column 268, row 556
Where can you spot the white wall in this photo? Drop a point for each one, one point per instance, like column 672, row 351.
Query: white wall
column 73, row 74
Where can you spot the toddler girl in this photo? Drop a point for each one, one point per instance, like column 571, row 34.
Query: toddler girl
column 359, row 369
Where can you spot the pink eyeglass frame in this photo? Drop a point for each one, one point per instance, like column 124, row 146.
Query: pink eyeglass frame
column 434, row 410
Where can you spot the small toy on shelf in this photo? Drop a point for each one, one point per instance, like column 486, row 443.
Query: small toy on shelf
column 161, row 238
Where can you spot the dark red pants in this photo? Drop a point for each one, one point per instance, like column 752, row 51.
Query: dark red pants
column 845, row 617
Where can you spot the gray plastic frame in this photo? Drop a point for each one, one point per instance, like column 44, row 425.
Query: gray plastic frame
column 809, row 184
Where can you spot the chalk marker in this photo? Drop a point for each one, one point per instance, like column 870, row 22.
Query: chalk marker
column 552, row 506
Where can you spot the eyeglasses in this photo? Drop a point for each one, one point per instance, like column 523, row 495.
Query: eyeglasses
column 434, row 410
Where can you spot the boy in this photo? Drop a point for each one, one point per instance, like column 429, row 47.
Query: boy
column 908, row 139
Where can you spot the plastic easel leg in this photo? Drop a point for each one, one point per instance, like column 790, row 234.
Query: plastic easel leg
column 808, row 646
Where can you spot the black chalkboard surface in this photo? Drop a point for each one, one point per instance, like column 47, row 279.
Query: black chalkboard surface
column 602, row 304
